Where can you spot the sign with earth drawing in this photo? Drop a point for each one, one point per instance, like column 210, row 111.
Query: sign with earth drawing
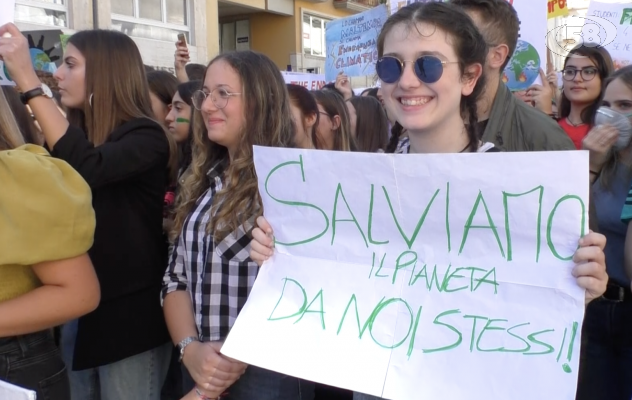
column 523, row 68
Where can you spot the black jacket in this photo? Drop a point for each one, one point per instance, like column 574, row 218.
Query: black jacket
column 128, row 176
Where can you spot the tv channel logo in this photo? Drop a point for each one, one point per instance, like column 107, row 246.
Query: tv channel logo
column 589, row 31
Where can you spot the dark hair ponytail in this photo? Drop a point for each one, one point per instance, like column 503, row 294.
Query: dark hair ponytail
column 396, row 132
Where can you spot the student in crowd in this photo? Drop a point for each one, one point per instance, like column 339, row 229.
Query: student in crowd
column 305, row 114
column 184, row 71
column 369, row 123
column 502, row 118
column 606, row 357
column 333, row 131
column 122, row 349
column 585, row 70
column 179, row 124
column 243, row 102
column 370, row 92
column 432, row 94
column 162, row 87
column 46, row 277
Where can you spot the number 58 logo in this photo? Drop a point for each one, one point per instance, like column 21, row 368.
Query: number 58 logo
column 581, row 31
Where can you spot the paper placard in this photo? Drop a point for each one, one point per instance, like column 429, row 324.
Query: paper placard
column 7, row 11
column 616, row 36
column 352, row 43
column 420, row 276
column 12, row 392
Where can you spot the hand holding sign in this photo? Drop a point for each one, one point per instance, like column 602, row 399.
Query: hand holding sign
column 14, row 51
column 262, row 245
column 590, row 270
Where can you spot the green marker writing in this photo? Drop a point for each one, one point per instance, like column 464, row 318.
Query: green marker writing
column 182, row 120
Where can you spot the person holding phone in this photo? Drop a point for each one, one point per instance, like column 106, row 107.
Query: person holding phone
column 181, row 58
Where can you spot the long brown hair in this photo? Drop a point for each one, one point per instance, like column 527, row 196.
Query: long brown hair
column 605, row 67
column 116, row 85
column 371, row 125
column 268, row 122
column 303, row 99
column 334, row 105
column 10, row 136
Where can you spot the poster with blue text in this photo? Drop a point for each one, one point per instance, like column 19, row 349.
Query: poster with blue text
column 351, row 43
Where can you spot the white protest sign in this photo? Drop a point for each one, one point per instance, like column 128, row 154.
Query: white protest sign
column 12, row 392
column 309, row 81
column 615, row 36
column 7, row 10
column 420, row 276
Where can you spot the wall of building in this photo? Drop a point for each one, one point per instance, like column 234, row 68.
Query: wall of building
column 203, row 26
column 274, row 36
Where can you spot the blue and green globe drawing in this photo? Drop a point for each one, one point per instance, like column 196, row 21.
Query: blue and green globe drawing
column 41, row 60
column 523, row 68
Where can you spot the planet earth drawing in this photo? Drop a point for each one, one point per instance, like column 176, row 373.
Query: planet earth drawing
column 41, row 60
column 523, row 68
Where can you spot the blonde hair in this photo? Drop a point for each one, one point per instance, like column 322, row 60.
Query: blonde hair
column 268, row 123
column 10, row 136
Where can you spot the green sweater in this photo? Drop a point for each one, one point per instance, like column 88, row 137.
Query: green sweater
column 516, row 126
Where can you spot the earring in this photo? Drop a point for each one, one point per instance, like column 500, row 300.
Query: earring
column 90, row 99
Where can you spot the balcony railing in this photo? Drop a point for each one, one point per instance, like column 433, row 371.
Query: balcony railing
column 356, row 5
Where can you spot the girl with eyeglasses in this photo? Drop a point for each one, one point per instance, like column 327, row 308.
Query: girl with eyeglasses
column 585, row 69
column 243, row 102
column 431, row 59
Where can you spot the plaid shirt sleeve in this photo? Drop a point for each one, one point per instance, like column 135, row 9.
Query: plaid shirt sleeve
column 175, row 277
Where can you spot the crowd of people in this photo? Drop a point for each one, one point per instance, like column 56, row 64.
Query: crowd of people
column 132, row 230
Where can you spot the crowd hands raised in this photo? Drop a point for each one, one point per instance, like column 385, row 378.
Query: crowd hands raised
column 200, row 160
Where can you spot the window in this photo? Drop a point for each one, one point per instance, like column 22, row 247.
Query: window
column 314, row 35
column 153, row 19
column 42, row 12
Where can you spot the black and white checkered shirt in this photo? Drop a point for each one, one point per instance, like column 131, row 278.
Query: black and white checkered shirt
column 217, row 276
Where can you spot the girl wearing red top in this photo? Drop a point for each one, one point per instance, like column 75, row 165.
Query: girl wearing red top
column 585, row 69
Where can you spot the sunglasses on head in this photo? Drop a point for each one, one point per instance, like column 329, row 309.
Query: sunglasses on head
column 428, row 69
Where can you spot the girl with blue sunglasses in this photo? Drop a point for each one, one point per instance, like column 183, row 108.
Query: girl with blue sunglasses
column 431, row 59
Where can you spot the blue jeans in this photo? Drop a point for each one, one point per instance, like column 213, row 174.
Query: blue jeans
column 606, row 358
column 34, row 362
column 139, row 377
column 262, row 384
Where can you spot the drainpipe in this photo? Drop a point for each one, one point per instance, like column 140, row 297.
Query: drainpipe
column 95, row 14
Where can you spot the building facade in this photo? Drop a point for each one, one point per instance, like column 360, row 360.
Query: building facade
column 153, row 24
column 290, row 32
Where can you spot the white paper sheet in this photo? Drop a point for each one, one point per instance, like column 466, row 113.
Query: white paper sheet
column 456, row 310
column 7, row 11
column 12, row 392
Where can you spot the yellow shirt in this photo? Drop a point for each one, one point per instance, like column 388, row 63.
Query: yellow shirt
column 45, row 215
